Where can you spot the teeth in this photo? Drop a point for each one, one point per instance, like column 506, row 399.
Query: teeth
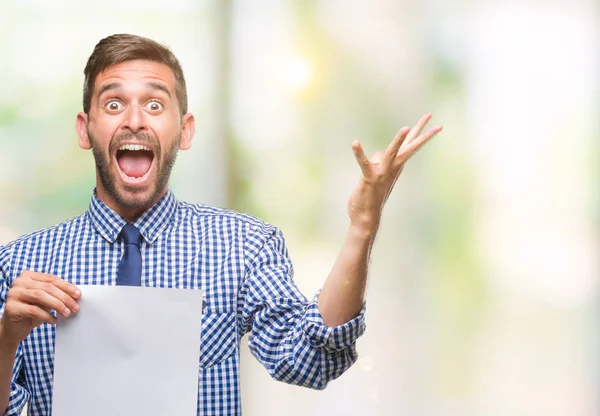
column 134, row 147
column 133, row 179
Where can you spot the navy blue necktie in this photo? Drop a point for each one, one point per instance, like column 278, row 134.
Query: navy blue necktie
column 130, row 267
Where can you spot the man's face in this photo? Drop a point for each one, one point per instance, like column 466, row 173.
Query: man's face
column 134, row 129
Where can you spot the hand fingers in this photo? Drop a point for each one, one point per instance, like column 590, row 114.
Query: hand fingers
column 417, row 143
column 38, row 297
column 417, row 129
column 362, row 160
column 59, row 294
column 26, row 310
column 63, row 293
column 394, row 146
column 68, row 288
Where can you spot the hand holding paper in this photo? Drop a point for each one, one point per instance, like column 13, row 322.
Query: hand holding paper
column 29, row 302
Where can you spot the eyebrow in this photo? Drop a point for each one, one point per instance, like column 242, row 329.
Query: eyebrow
column 109, row 87
column 151, row 85
column 160, row 87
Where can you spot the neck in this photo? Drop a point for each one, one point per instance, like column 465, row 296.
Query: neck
column 128, row 213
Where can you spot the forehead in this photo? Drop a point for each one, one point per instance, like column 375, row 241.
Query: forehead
column 136, row 72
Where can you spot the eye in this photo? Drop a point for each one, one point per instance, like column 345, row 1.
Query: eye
column 114, row 106
column 154, row 106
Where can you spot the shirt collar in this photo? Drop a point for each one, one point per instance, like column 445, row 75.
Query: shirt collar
column 151, row 223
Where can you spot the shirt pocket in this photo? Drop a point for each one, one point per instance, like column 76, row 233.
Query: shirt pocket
column 218, row 338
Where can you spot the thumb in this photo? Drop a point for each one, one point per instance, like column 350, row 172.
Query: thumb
column 362, row 160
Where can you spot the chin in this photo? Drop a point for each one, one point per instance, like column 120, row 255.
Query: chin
column 126, row 199
column 138, row 198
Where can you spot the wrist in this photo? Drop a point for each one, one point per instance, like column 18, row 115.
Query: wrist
column 363, row 232
column 7, row 346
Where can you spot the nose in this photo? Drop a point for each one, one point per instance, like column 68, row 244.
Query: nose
column 135, row 120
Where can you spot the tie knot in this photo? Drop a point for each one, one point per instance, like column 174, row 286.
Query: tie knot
column 131, row 235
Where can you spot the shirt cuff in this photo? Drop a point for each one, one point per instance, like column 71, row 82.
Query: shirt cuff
column 331, row 338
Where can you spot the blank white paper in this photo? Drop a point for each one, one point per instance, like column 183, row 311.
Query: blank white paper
column 129, row 351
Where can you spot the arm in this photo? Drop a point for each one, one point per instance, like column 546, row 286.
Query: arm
column 287, row 334
column 7, row 361
column 343, row 294
column 8, row 352
column 15, row 393
column 25, row 305
column 300, row 342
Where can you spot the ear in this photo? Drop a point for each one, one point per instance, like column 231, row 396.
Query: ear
column 188, row 129
column 81, row 127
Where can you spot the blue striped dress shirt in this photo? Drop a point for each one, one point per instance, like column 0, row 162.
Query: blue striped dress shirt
column 240, row 262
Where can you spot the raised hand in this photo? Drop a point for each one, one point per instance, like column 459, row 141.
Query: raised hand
column 379, row 174
column 30, row 301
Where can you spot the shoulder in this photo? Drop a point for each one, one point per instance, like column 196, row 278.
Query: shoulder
column 46, row 234
column 201, row 212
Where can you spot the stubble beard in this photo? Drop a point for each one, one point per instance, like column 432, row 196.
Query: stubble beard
column 109, row 178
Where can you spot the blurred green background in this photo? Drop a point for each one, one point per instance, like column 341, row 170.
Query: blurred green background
column 483, row 295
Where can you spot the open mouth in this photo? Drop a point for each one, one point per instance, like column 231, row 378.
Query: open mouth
column 135, row 161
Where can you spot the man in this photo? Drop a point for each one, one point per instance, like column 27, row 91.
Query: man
column 135, row 232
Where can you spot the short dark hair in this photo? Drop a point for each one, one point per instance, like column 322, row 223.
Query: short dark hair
column 119, row 48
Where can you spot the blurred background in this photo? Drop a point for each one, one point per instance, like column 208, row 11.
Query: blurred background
column 483, row 293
